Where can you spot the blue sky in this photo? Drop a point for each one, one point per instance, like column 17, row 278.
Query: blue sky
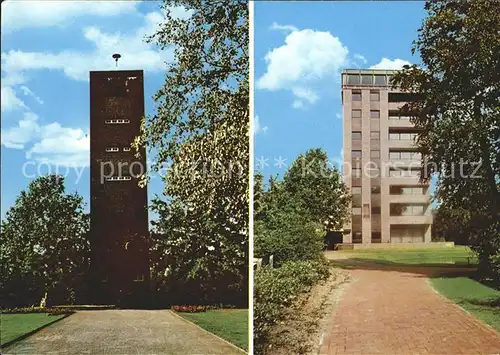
column 48, row 49
column 300, row 49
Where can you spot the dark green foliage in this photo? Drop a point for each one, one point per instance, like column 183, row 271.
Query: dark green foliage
column 275, row 289
column 291, row 220
column 293, row 215
column 200, row 134
column 290, row 238
column 450, row 224
column 458, row 112
column 44, row 245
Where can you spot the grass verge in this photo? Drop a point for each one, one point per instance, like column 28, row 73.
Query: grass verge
column 13, row 326
column 229, row 324
column 476, row 298
column 458, row 255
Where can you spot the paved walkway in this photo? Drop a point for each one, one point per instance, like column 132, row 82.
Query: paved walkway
column 397, row 312
column 122, row 332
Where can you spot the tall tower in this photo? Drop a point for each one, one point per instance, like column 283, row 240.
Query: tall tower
column 118, row 209
column 382, row 163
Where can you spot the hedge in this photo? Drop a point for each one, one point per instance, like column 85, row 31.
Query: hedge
column 276, row 289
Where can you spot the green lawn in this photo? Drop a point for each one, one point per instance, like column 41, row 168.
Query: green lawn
column 457, row 255
column 229, row 324
column 14, row 325
column 478, row 299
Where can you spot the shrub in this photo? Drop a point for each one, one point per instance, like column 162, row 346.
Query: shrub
column 275, row 289
column 289, row 238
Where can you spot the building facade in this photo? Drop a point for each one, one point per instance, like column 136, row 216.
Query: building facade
column 381, row 163
column 118, row 208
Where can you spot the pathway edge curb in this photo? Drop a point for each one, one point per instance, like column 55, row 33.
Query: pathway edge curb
column 30, row 333
column 206, row 331
column 490, row 328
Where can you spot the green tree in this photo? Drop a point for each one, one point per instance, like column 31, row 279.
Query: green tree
column 200, row 131
column 297, row 211
column 451, row 224
column 43, row 242
column 318, row 188
column 458, row 112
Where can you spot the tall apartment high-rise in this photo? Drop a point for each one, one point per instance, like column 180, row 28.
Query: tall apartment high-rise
column 381, row 163
column 118, row 208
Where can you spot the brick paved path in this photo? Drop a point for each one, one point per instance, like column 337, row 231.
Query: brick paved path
column 122, row 332
column 397, row 312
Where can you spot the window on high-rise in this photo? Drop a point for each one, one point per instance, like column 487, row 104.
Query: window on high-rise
column 380, row 80
column 406, row 190
column 356, row 113
column 367, row 79
column 374, row 114
column 356, row 96
column 356, row 190
column 353, row 79
column 374, row 96
column 401, row 209
column 356, row 136
column 356, row 153
column 356, row 211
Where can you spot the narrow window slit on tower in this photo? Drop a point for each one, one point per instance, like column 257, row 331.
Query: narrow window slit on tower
column 117, row 121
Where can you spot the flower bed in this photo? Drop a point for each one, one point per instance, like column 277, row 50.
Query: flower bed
column 190, row 308
column 26, row 310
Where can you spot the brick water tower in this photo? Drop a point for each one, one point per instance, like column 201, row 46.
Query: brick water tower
column 118, row 209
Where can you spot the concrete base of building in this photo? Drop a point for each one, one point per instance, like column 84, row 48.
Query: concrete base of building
column 351, row 246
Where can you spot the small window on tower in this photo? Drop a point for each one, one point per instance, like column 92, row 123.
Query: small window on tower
column 139, row 277
column 126, row 149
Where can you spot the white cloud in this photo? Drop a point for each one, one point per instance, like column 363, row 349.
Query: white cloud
column 276, row 26
column 13, row 78
column 306, row 94
column 361, row 58
column 257, row 128
column 338, row 115
column 36, row 14
column 387, row 63
column 9, row 100
column 26, row 130
column 297, row 104
column 28, row 92
column 61, row 146
column 136, row 54
column 52, row 143
column 307, row 57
